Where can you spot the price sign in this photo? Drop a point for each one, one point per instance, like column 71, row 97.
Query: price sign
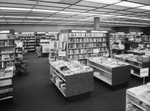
column 96, row 50
column 62, row 53
column 144, row 72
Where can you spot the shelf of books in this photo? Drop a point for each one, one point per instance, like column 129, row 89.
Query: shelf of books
column 138, row 98
column 6, row 83
column 7, row 48
column 146, row 39
column 28, row 40
column 109, row 70
column 71, row 77
column 82, row 44
column 139, row 64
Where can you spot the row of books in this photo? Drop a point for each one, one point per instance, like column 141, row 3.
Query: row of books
column 87, row 34
column 6, row 36
column 59, row 83
column 4, row 95
column 6, row 91
column 83, row 51
column 7, row 43
column 90, row 45
column 85, row 56
column 29, row 43
column 8, row 50
column 74, row 40
column 6, row 57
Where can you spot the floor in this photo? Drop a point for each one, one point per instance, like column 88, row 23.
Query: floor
column 35, row 92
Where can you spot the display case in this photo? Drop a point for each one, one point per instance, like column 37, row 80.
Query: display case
column 139, row 64
column 111, row 71
column 138, row 98
column 71, row 77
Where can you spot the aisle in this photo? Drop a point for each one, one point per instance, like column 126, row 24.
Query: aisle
column 35, row 92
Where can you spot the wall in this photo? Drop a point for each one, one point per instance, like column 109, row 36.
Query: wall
column 46, row 28
column 130, row 29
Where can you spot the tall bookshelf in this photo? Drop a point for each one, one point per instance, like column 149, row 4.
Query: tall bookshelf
column 7, row 62
column 28, row 41
column 7, row 48
column 82, row 44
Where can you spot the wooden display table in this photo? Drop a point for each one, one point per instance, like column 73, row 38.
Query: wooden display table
column 139, row 69
column 138, row 98
column 71, row 84
column 110, row 74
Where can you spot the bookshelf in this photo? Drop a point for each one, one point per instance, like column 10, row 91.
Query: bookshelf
column 7, row 48
column 138, row 99
column 82, row 44
column 108, row 70
column 71, row 78
column 28, row 41
column 6, row 83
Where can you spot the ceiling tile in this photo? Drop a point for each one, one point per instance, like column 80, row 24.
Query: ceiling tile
column 48, row 8
column 140, row 1
column 74, row 10
column 16, row 5
column 135, row 10
column 82, row 7
column 105, row 10
column 53, row 4
column 115, row 7
column 18, row 1
column 91, row 4
column 123, row 12
column 62, row 1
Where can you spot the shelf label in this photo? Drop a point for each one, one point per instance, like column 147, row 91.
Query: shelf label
column 95, row 50
column 144, row 72
column 62, row 53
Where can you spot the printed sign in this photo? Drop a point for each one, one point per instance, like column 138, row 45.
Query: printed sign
column 62, row 53
column 144, row 72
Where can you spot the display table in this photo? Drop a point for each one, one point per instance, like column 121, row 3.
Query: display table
column 136, row 52
column 6, row 83
column 138, row 98
column 111, row 71
column 139, row 67
column 71, row 78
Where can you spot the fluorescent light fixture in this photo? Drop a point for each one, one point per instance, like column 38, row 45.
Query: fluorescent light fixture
column 35, row 17
column 145, row 7
column 104, row 1
column 4, row 31
column 14, row 16
column 99, row 31
column 78, row 31
column 129, row 4
column 65, row 12
column 39, row 10
column 21, row 9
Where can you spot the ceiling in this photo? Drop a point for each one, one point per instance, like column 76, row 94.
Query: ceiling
column 112, row 13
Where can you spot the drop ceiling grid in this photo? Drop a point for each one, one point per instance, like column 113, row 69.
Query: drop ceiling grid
column 79, row 6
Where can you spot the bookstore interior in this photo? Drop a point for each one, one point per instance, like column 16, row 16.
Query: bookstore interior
column 78, row 55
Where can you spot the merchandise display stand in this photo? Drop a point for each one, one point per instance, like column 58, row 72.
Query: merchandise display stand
column 45, row 47
column 138, row 98
column 6, row 83
column 71, row 77
column 138, row 68
column 111, row 71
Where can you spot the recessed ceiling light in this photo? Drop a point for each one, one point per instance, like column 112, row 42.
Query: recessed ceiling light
column 129, row 4
column 104, row 1
column 145, row 7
